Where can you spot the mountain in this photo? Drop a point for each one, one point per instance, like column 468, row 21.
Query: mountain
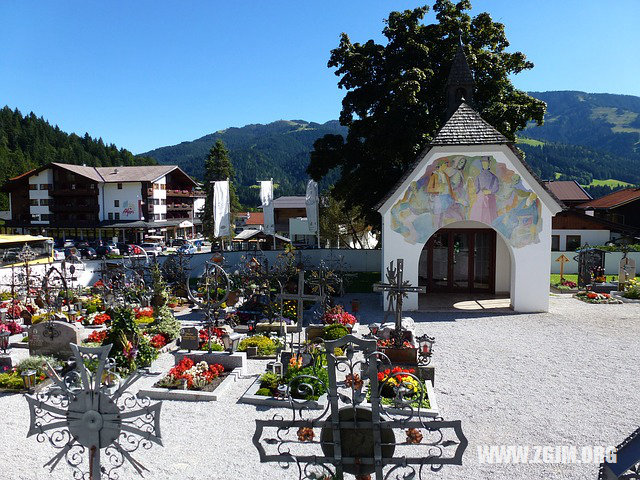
column 278, row 150
column 27, row 142
column 586, row 137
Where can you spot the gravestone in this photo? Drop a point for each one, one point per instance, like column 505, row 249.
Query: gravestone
column 189, row 338
column 588, row 259
column 627, row 270
column 285, row 358
column 53, row 338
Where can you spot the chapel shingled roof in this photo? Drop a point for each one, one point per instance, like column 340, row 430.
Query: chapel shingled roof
column 460, row 73
column 467, row 127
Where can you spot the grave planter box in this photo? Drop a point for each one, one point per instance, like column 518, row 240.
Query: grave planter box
column 407, row 356
column 251, row 398
column 315, row 331
column 156, row 393
column 432, row 411
column 230, row 361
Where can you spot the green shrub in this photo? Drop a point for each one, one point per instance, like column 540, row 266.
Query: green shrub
column 215, row 347
column 124, row 329
column 36, row 363
column 165, row 323
column 11, row 381
column 334, row 331
column 266, row 345
column 269, row 380
column 318, row 380
column 264, row 392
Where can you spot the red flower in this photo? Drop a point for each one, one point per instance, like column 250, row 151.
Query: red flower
column 97, row 336
column 158, row 341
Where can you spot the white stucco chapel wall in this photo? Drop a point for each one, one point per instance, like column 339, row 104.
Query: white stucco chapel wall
column 521, row 267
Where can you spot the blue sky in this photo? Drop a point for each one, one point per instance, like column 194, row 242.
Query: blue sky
column 144, row 74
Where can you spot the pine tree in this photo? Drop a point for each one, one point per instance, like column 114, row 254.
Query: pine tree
column 217, row 167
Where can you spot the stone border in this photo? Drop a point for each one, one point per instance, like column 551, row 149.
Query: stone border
column 156, row 393
column 618, row 296
column 251, row 398
column 230, row 361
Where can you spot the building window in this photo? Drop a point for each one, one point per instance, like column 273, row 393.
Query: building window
column 44, row 202
column 45, row 186
column 46, row 217
column 116, row 203
column 119, row 186
column 163, row 216
column 35, row 218
column 156, row 201
column 163, row 201
column 33, row 202
column 117, row 216
column 110, row 216
column 163, row 186
column 555, row 243
column 92, row 186
column 33, row 186
column 573, row 242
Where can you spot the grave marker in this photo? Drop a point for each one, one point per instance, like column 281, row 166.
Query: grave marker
column 189, row 338
column 626, row 272
column 562, row 259
column 53, row 338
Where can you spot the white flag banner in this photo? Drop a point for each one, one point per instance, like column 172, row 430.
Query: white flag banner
column 221, row 209
column 266, row 198
column 311, row 202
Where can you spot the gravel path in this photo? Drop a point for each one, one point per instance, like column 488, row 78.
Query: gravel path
column 569, row 377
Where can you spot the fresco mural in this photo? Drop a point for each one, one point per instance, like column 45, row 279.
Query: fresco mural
column 459, row 187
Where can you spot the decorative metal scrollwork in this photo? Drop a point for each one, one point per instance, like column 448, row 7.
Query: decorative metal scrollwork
column 356, row 432
column 89, row 412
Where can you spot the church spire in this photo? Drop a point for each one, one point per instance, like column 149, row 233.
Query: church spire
column 460, row 84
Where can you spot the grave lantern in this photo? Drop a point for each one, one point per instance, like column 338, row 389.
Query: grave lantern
column 230, row 341
column 4, row 341
column 29, row 379
column 374, row 328
column 425, row 348
column 73, row 315
column 275, row 367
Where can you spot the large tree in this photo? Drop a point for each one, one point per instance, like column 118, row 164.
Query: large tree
column 396, row 96
column 217, row 166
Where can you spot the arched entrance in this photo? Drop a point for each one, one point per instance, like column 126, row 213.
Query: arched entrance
column 459, row 260
column 468, row 266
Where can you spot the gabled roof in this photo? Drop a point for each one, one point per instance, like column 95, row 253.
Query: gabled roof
column 255, row 218
column 290, row 202
column 614, row 199
column 466, row 127
column 568, row 190
column 149, row 173
column 88, row 172
column 249, row 234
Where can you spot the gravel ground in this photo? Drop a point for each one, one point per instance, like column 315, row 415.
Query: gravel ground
column 569, row 377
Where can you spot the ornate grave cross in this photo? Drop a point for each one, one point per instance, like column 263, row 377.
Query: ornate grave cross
column 208, row 296
column 349, row 436
column 300, row 297
column 81, row 416
column 396, row 289
column 324, row 282
column 26, row 255
column 626, row 464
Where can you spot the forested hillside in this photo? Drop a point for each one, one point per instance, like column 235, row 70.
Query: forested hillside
column 26, row 142
column 585, row 137
column 278, row 150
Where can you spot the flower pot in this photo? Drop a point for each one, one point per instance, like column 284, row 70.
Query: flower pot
column 407, row 356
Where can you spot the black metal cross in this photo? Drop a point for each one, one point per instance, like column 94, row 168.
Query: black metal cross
column 396, row 288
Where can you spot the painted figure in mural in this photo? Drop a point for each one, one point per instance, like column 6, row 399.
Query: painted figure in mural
column 485, row 207
column 459, row 187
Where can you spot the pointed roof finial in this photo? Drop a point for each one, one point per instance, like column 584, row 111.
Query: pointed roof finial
column 460, row 73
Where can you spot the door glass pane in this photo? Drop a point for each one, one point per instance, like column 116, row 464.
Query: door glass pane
column 460, row 260
column 482, row 256
column 440, row 260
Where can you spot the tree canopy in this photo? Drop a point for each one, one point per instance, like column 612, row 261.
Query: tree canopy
column 217, row 166
column 396, row 95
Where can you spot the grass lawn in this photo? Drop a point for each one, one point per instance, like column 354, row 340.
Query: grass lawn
column 571, row 277
column 609, row 182
column 361, row 282
column 530, row 141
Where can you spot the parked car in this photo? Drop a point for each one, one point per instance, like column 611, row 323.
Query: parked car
column 187, row 248
column 68, row 243
column 83, row 244
column 58, row 254
column 114, row 248
column 152, row 248
column 104, row 250
column 178, row 242
column 88, row 253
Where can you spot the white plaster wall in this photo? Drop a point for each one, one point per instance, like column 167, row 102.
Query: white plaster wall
column 592, row 237
column 46, row 176
column 503, row 266
column 128, row 197
column 198, row 205
column 529, row 286
column 160, row 194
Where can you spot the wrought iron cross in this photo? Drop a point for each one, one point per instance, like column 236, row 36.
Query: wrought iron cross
column 82, row 416
column 396, row 289
column 300, row 297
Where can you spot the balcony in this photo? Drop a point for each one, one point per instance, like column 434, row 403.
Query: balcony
column 73, row 192
column 56, row 207
column 178, row 207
